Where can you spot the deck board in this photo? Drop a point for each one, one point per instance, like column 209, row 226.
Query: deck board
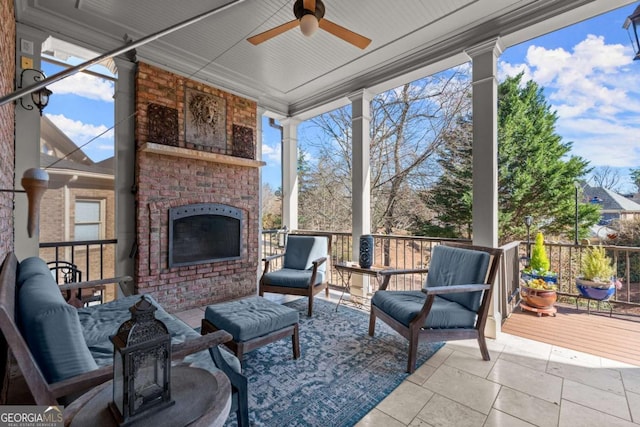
column 616, row 337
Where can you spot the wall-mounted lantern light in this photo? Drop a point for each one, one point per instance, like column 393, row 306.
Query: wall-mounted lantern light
column 39, row 98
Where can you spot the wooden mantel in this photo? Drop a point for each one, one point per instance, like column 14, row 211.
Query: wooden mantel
column 168, row 150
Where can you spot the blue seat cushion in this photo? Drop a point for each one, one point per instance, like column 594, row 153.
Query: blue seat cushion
column 301, row 251
column 291, row 278
column 251, row 317
column 458, row 266
column 50, row 326
column 101, row 321
column 404, row 306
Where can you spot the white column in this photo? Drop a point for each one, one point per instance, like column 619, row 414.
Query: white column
column 485, row 158
column 290, row 172
column 259, row 135
column 360, row 178
column 125, row 160
column 27, row 136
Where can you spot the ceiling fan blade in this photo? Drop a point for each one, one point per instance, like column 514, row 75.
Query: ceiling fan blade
column 309, row 5
column 269, row 34
column 346, row 35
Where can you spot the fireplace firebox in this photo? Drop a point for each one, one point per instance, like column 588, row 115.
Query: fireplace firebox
column 204, row 233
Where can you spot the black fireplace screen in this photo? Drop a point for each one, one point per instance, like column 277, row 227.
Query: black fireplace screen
column 203, row 233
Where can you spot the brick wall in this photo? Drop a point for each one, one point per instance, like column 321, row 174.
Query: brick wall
column 7, row 165
column 164, row 181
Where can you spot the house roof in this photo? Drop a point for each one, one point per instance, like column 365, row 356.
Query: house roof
column 292, row 75
column 58, row 152
column 60, row 144
column 610, row 200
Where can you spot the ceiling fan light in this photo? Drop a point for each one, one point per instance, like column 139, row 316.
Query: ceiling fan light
column 308, row 24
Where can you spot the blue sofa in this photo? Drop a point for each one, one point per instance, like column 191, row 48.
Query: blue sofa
column 71, row 347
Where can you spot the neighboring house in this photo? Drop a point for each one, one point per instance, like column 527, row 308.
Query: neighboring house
column 614, row 206
column 80, row 201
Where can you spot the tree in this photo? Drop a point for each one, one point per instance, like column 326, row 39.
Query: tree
column 324, row 202
column 451, row 199
column 407, row 127
column 635, row 176
column 271, row 208
column 606, row 177
column 535, row 176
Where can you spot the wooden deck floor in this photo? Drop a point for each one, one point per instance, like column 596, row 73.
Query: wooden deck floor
column 616, row 337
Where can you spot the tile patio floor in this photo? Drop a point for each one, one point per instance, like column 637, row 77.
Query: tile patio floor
column 526, row 383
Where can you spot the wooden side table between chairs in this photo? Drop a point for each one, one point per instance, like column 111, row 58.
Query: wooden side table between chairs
column 382, row 275
column 202, row 398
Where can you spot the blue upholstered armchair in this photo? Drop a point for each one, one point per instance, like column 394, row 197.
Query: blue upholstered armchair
column 452, row 305
column 304, row 268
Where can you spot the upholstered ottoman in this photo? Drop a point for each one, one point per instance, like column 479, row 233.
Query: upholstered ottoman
column 253, row 322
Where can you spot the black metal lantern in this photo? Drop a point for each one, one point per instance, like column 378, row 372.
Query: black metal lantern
column 39, row 98
column 633, row 21
column 141, row 364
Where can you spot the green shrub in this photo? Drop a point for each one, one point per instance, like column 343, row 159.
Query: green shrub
column 595, row 265
column 539, row 261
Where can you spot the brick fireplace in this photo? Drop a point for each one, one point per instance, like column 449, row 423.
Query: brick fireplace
column 173, row 173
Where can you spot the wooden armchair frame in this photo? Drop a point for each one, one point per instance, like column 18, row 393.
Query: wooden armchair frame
column 310, row 290
column 415, row 332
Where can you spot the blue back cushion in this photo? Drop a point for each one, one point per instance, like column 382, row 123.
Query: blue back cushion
column 458, row 266
column 31, row 267
column 50, row 326
column 301, row 251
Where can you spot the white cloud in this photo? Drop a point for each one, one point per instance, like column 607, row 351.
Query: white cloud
column 594, row 90
column 509, row 70
column 271, row 154
column 80, row 132
column 86, row 86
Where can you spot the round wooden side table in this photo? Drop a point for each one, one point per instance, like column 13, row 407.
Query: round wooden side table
column 202, row 398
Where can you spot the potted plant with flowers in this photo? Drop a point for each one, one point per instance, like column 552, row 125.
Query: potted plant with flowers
column 538, row 287
column 597, row 278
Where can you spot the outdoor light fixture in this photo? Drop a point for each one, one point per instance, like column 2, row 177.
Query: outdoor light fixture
column 308, row 23
column 141, row 365
column 576, row 184
column 634, row 21
column 35, row 182
column 39, row 98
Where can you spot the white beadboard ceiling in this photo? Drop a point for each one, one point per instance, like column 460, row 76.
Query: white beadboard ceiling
column 292, row 74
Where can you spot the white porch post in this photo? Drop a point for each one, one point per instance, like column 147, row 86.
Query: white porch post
column 125, row 160
column 259, row 134
column 485, row 157
column 290, row 172
column 27, row 139
column 360, row 177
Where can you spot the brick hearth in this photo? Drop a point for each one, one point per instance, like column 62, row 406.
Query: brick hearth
column 168, row 176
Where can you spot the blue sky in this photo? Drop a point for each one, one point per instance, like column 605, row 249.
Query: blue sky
column 588, row 77
column 586, row 71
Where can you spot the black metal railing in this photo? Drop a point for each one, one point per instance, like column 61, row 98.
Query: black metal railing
column 95, row 258
column 399, row 252
column 406, row 252
column 565, row 260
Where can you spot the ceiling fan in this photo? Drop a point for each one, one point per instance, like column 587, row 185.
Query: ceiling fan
column 309, row 16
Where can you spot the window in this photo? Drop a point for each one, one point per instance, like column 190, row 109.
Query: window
column 89, row 220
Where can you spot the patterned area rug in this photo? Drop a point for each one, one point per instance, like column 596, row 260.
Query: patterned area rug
column 341, row 375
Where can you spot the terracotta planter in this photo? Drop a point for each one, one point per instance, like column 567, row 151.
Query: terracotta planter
column 539, row 298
